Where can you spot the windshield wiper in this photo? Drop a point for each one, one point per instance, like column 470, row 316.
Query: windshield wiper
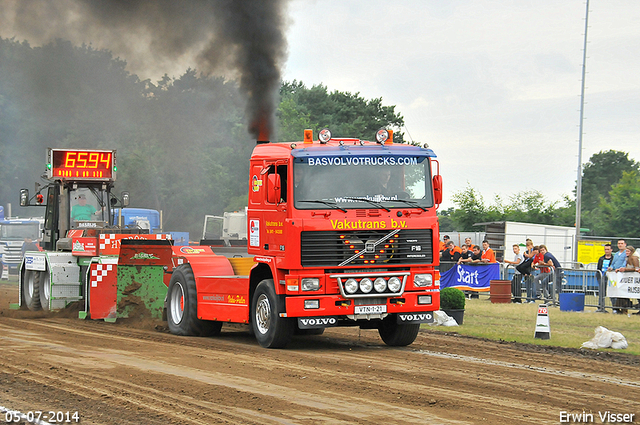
column 331, row 204
column 367, row 200
column 412, row 203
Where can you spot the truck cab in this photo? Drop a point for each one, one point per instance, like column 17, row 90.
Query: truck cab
column 341, row 231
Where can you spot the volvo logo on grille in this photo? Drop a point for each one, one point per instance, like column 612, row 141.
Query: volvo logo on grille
column 369, row 246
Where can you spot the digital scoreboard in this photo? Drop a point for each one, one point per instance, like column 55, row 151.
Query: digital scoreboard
column 81, row 164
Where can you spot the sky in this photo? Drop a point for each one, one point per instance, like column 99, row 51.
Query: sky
column 492, row 86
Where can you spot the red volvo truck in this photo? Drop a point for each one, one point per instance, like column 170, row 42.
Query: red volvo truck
column 341, row 232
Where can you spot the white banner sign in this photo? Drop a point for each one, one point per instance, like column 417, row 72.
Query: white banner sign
column 623, row 284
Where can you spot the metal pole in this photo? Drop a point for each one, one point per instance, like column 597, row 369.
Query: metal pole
column 579, row 185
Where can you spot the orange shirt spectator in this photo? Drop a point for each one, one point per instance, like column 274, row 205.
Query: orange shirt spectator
column 488, row 256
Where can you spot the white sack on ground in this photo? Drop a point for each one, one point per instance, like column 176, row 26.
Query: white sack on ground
column 440, row 318
column 605, row 338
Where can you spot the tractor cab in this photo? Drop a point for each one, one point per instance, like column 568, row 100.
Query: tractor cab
column 78, row 196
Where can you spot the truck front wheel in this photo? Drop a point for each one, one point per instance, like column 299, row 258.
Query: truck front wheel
column 395, row 334
column 31, row 290
column 44, row 282
column 271, row 330
column 182, row 306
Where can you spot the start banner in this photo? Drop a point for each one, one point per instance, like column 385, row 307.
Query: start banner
column 623, row 284
column 470, row 277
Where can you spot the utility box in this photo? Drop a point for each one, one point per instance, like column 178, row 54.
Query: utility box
column 230, row 229
column 502, row 235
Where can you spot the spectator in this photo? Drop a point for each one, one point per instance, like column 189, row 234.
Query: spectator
column 516, row 281
column 468, row 243
column 546, row 263
column 631, row 265
column 443, row 243
column 525, row 266
column 29, row 245
column 532, row 290
column 605, row 260
column 450, row 253
column 632, row 261
column 476, row 257
column 619, row 260
column 467, row 252
column 519, row 258
column 488, row 256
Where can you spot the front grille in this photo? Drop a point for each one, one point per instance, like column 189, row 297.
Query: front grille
column 331, row 248
column 369, row 301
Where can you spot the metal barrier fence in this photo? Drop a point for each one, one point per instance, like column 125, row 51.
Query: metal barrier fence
column 584, row 280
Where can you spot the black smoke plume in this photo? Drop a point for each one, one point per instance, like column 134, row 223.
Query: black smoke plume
column 243, row 38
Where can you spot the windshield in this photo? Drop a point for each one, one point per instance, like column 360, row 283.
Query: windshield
column 362, row 182
column 88, row 205
column 19, row 231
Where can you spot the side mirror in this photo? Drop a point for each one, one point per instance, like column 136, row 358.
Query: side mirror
column 24, row 197
column 125, row 199
column 273, row 188
column 437, row 189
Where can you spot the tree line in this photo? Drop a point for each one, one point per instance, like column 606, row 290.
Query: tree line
column 183, row 145
column 182, row 142
column 610, row 202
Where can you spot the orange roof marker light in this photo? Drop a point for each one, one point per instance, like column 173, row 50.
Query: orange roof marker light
column 308, row 136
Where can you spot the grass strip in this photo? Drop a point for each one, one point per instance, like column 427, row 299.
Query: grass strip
column 517, row 322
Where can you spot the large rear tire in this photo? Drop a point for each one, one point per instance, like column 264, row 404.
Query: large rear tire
column 182, row 306
column 31, row 290
column 395, row 334
column 44, row 282
column 271, row 330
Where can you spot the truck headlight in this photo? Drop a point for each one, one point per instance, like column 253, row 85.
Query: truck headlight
column 351, row 286
column 394, row 284
column 366, row 285
column 421, row 280
column 310, row 284
column 380, row 284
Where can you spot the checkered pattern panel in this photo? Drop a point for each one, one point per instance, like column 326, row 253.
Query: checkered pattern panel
column 107, row 239
column 99, row 271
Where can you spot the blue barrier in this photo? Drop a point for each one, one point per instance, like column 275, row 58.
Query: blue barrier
column 470, row 277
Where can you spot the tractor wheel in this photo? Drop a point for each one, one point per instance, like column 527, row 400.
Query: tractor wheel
column 182, row 306
column 31, row 290
column 271, row 330
column 44, row 282
column 395, row 334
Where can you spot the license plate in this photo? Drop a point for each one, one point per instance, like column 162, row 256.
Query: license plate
column 370, row 309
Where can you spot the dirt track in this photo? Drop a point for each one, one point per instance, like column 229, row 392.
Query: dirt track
column 135, row 373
